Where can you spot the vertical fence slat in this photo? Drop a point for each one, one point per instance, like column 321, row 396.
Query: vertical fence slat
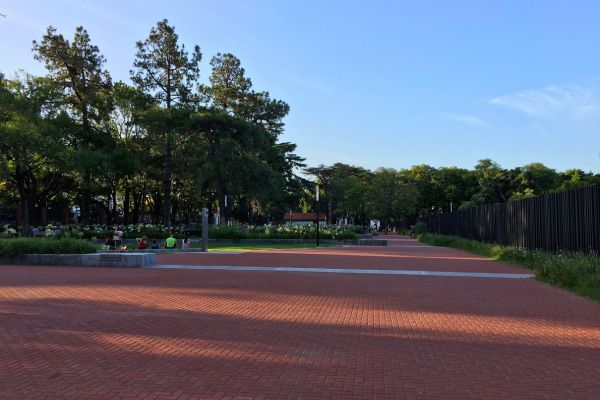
column 560, row 221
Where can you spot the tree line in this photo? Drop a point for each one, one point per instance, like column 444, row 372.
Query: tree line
column 399, row 197
column 165, row 145
column 159, row 148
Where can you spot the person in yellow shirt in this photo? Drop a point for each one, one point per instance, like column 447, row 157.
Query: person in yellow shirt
column 170, row 243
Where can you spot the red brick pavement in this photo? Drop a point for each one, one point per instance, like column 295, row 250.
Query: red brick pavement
column 94, row 333
column 402, row 253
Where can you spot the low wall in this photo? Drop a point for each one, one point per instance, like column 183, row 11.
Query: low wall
column 372, row 242
column 113, row 259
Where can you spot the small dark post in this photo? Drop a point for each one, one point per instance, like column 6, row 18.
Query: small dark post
column 318, row 212
column 205, row 229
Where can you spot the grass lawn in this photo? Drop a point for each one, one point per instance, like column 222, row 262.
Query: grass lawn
column 250, row 247
column 577, row 272
column 261, row 246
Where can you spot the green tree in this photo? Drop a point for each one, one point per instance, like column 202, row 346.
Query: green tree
column 233, row 160
column 425, row 178
column 163, row 69
column 31, row 142
column 534, row 179
column 128, row 171
column 229, row 88
column 75, row 68
column 576, row 178
column 230, row 91
column 495, row 183
column 392, row 198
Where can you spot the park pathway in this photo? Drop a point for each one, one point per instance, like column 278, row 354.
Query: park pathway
column 232, row 330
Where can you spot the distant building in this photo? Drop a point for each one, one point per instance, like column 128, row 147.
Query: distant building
column 296, row 218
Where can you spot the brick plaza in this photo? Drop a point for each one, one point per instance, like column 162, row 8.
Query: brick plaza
column 99, row 333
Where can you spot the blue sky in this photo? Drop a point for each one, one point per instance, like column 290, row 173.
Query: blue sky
column 378, row 83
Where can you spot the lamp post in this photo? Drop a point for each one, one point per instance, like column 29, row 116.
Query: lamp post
column 318, row 212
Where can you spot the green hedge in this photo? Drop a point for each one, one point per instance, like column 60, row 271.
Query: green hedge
column 577, row 272
column 420, row 228
column 280, row 232
column 16, row 247
column 100, row 232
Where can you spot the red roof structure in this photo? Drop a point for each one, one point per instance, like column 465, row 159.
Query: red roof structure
column 296, row 216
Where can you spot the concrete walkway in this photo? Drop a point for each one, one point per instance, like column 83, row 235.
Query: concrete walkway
column 183, row 333
column 346, row 271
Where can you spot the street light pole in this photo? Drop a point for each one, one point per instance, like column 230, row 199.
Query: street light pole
column 318, row 212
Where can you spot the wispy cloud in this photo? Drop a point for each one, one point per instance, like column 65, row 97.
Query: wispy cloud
column 93, row 9
column 465, row 119
column 573, row 102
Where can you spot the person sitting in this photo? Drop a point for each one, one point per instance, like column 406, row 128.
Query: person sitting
column 155, row 245
column 185, row 243
column 171, row 242
column 110, row 243
column 142, row 243
column 117, row 238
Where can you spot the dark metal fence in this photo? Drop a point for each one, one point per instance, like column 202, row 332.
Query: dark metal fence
column 561, row 221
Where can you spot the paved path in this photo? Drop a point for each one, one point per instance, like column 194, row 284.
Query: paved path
column 94, row 333
column 402, row 253
column 363, row 271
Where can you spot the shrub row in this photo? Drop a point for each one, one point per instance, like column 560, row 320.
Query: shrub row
column 578, row 272
column 99, row 232
column 280, row 232
column 17, row 247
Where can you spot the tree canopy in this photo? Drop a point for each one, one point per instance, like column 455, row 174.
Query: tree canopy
column 74, row 145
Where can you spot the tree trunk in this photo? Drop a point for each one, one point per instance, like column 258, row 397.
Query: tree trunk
column 167, row 184
column 114, row 206
column 157, row 207
column 221, row 203
column 24, row 194
column 86, row 198
column 25, row 208
column 126, row 196
column 87, row 176
column 135, row 213
column 174, row 210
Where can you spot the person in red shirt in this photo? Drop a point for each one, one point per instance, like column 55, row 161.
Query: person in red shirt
column 142, row 243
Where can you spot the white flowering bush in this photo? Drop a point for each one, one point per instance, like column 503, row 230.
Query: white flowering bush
column 282, row 232
column 153, row 231
column 6, row 231
column 93, row 232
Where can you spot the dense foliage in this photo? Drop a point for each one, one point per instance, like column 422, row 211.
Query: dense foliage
column 283, row 232
column 155, row 151
column 399, row 197
column 77, row 147
column 20, row 246
column 240, row 231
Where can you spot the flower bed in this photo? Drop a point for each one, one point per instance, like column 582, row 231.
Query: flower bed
column 234, row 232
column 239, row 232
